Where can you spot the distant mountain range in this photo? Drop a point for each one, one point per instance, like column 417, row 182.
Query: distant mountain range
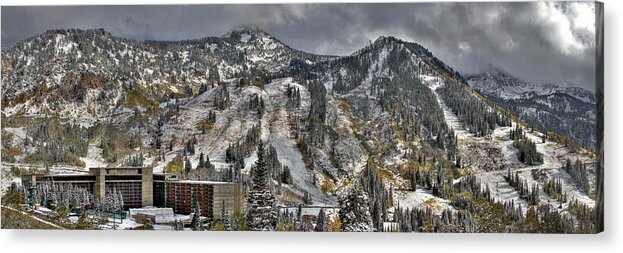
column 569, row 111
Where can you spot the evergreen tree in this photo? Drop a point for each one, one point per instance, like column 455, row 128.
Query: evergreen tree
column 528, row 153
column 84, row 223
column 201, row 161
column 187, row 166
column 531, row 223
column 262, row 215
column 299, row 213
column 203, row 88
column 195, row 223
column 354, row 212
column 578, row 172
column 321, row 222
column 552, row 221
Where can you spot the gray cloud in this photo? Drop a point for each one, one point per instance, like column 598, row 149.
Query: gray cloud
column 541, row 41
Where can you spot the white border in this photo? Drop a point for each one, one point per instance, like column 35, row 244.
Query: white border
column 162, row 241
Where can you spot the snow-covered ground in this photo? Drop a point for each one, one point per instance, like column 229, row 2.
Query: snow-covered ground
column 421, row 198
column 34, row 217
column 18, row 132
column 94, row 157
column 7, row 178
column 236, row 120
column 310, row 210
column 491, row 157
column 231, row 125
column 451, row 119
column 279, row 137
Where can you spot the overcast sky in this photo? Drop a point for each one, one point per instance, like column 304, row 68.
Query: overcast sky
column 541, row 41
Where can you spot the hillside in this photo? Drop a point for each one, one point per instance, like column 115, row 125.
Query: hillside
column 390, row 123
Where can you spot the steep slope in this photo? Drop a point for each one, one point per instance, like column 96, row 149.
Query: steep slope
column 486, row 152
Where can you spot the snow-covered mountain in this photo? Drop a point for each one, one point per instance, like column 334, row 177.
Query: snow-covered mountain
column 48, row 71
column 499, row 83
column 565, row 110
column 390, row 120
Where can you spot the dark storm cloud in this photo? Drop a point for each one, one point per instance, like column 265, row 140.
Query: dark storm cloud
column 536, row 41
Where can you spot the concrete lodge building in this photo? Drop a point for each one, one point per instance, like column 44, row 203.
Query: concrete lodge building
column 140, row 187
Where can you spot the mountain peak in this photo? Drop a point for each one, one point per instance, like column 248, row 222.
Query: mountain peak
column 100, row 31
column 496, row 82
column 495, row 70
column 387, row 40
column 249, row 35
column 500, row 76
column 246, row 29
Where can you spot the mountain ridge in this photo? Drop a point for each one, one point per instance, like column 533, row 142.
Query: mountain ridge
column 502, row 80
column 97, row 51
column 241, row 49
column 569, row 111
